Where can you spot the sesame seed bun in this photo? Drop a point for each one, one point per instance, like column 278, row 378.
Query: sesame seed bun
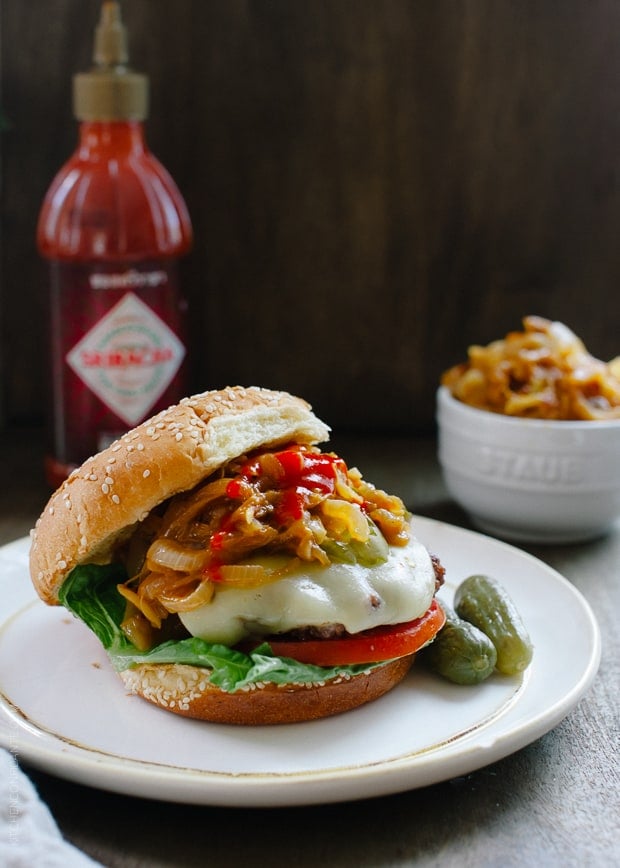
column 169, row 453
column 185, row 690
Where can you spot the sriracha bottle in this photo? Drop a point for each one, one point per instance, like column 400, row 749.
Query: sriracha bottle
column 112, row 226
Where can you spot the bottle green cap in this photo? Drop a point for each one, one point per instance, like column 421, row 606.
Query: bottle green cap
column 110, row 91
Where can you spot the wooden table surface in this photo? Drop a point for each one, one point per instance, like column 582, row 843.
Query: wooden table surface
column 553, row 803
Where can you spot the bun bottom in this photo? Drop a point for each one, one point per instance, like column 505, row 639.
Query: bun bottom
column 186, row 690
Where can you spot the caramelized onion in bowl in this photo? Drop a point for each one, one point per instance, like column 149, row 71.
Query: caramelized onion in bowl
column 542, row 372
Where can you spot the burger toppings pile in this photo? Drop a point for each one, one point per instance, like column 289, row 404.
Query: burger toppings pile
column 297, row 502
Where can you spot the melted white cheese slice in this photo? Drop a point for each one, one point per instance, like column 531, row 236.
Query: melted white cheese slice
column 396, row 591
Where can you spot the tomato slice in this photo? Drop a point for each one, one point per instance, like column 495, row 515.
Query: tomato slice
column 371, row 646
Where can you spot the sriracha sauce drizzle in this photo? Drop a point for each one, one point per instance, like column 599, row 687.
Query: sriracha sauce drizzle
column 301, row 474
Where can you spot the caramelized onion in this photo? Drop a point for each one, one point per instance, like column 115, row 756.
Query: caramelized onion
column 149, row 608
column 270, row 466
column 185, row 509
column 252, row 575
column 300, row 536
column 392, row 527
column 598, row 409
column 201, row 595
column 236, row 574
column 138, row 630
column 172, row 555
column 345, row 519
column 345, row 490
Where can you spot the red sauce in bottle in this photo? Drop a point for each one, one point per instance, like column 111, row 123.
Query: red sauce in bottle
column 112, row 226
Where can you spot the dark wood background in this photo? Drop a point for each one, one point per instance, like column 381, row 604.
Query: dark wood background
column 374, row 184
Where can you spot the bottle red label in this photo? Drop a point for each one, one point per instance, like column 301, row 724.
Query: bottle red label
column 118, row 350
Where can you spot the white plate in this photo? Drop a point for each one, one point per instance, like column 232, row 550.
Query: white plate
column 63, row 710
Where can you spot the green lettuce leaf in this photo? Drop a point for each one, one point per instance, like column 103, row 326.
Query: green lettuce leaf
column 90, row 593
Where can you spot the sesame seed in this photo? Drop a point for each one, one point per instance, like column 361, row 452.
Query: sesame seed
column 62, row 565
column 178, row 436
column 105, row 488
column 146, row 474
column 116, row 498
column 109, row 480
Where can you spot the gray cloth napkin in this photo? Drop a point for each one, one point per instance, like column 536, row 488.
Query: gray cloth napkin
column 29, row 835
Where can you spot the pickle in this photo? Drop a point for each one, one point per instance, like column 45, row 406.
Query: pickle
column 371, row 553
column 483, row 602
column 338, row 551
column 374, row 551
column 460, row 652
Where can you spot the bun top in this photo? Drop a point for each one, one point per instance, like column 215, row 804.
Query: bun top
column 169, row 453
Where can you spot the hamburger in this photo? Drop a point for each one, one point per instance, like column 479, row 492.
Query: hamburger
column 232, row 570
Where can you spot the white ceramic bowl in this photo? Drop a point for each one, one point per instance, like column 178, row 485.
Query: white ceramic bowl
column 533, row 480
